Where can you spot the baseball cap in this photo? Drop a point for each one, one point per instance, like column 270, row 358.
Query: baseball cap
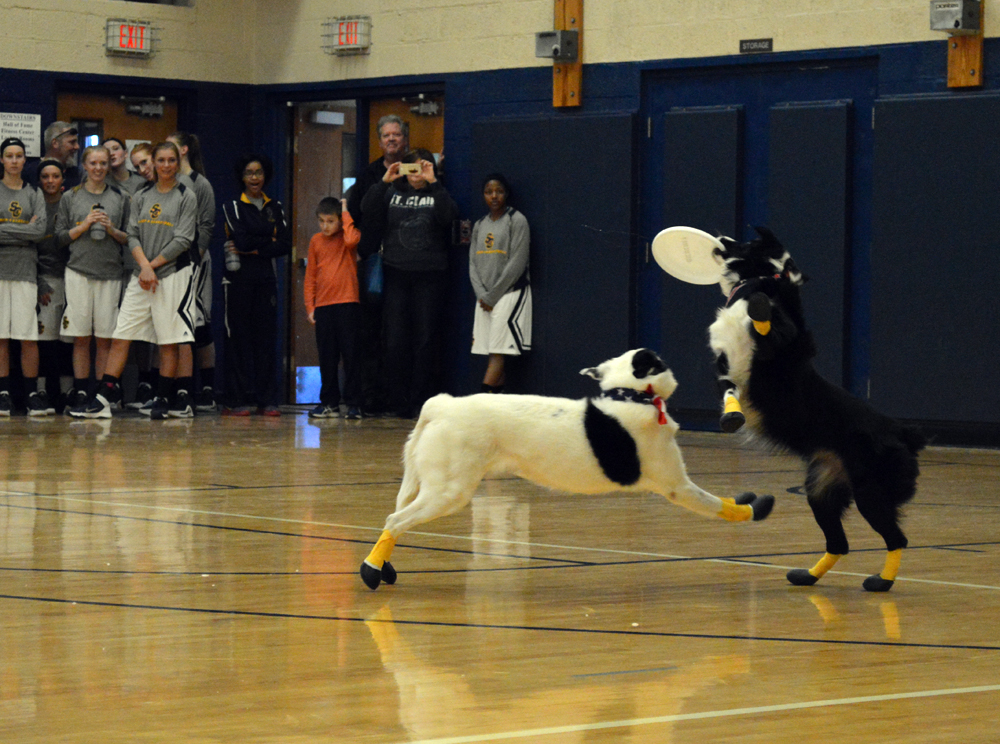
column 57, row 129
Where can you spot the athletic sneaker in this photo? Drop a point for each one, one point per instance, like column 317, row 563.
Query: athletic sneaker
column 77, row 403
column 158, row 409
column 269, row 411
column 353, row 413
column 143, row 394
column 181, row 407
column 5, row 404
column 97, row 407
column 38, row 404
column 323, row 411
column 205, row 400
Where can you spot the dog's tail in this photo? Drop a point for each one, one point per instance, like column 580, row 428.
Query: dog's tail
column 411, row 480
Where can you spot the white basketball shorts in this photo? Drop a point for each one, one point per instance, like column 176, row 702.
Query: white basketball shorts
column 91, row 305
column 50, row 316
column 507, row 328
column 163, row 317
column 18, row 318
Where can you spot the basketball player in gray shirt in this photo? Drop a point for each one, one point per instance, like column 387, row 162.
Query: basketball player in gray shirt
column 22, row 226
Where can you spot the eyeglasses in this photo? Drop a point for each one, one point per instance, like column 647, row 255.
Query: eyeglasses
column 253, row 173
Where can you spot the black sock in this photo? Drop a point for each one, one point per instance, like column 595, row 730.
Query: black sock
column 4, row 384
column 185, row 383
column 83, row 385
column 207, row 377
column 110, row 388
column 30, row 386
column 165, row 388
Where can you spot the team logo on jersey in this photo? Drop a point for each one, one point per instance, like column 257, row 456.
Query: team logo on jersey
column 155, row 211
column 489, row 242
column 15, row 209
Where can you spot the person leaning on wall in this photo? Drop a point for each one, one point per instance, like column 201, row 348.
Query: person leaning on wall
column 498, row 270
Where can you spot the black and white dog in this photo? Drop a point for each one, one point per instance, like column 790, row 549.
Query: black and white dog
column 622, row 440
column 764, row 363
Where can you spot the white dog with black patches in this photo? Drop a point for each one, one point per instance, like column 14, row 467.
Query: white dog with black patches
column 622, row 440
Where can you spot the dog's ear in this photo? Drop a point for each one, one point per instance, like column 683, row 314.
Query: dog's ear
column 729, row 247
column 765, row 233
column 592, row 372
column 646, row 363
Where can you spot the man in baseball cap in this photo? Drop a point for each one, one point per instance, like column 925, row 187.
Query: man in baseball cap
column 61, row 143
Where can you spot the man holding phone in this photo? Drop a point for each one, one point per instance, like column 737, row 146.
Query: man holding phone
column 394, row 140
column 413, row 213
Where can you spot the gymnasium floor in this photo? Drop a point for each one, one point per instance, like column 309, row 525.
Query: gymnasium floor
column 196, row 581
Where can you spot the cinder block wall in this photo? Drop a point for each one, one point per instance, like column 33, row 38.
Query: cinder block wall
column 261, row 42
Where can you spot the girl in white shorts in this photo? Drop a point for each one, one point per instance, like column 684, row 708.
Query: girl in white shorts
column 498, row 269
column 158, row 303
column 22, row 226
column 54, row 350
column 91, row 221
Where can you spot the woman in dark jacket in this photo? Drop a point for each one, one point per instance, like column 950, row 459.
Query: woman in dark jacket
column 414, row 214
column 258, row 233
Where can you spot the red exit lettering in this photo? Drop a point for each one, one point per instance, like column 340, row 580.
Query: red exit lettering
column 347, row 33
column 131, row 37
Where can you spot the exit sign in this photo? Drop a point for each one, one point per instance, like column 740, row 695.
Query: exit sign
column 348, row 35
column 129, row 38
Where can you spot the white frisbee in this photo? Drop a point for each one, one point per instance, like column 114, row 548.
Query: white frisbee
column 688, row 254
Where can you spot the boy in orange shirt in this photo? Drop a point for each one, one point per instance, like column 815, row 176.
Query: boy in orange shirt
column 331, row 294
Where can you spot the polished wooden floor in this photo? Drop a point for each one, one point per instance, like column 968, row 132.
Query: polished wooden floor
column 196, row 581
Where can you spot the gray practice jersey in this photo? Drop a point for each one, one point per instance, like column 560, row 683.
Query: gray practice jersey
column 498, row 255
column 19, row 236
column 51, row 257
column 205, row 194
column 94, row 259
column 130, row 185
column 163, row 224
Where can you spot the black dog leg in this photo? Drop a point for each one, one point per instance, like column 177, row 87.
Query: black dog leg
column 884, row 519
column 829, row 495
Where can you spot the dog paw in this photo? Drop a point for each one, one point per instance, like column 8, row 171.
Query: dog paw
column 371, row 575
column 388, row 573
column 761, row 506
column 801, row 577
column 876, row 583
column 732, row 421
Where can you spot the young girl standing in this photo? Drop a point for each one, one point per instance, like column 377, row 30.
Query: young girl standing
column 498, row 269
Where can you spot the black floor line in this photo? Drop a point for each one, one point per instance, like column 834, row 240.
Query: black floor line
column 490, row 626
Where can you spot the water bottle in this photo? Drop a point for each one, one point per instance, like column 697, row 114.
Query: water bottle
column 232, row 259
column 97, row 231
